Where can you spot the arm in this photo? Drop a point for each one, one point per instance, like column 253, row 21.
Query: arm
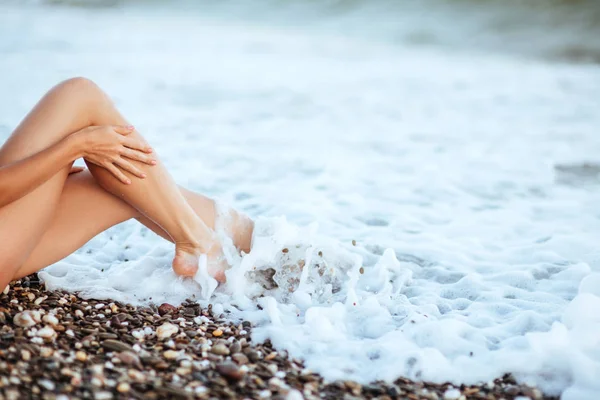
column 19, row 178
column 107, row 146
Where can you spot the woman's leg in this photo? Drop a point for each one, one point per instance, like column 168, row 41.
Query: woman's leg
column 23, row 222
column 69, row 107
column 158, row 198
column 75, row 222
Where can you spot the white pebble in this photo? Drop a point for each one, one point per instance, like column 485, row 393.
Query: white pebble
column 40, row 300
column 294, row 395
column 452, row 394
column 50, row 319
column 6, row 289
column 46, row 332
column 27, row 318
column 46, row 384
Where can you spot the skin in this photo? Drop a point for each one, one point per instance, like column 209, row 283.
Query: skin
column 48, row 208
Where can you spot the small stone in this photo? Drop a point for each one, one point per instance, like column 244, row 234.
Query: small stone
column 79, row 313
column 235, row 347
column 46, row 352
column 81, row 356
column 6, row 289
column 25, row 355
column 50, row 319
column 46, row 384
column 166, row 330
column 452, row 394
column 240, row 358
column 39, row 300
column 230, row 371
column 130, row 358
column 123, row 387
column 166, row 308
column 171, row 354
column 217, row 333
column 103, row 395
column 220, row 349
column 116, row 345
column 136, row 375
column 27, row 318
column 271, row 356
column 46, row 333
column 353, row 242
column 361, row 270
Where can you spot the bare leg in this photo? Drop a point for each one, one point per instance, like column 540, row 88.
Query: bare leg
column 75, row 222
column 158, row 198
column 23, row 222
column 68, row 107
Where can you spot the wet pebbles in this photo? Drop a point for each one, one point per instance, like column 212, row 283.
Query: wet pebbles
column 55, row 345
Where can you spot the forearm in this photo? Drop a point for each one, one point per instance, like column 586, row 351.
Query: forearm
column 19, row 178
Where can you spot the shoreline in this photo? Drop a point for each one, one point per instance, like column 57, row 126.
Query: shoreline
column 56, row 345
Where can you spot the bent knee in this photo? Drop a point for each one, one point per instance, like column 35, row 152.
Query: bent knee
column 79, row 83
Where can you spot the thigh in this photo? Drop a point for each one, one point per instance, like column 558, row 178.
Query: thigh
column 83, row 211
column 60, row 112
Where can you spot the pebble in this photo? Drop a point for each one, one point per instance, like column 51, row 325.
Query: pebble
column 171, row 354
column 166, row 308
column 136, row 375
column 25, row 355
column 217, row 333
column 230, row 371
column 50, row 319
column 46, row 384
column 123, row 387
column 166, row 330
column 47, row 333
column 81, row 356
column 116, row 345
column 129, row 358
column 220, row 349
column 27, row 318
column 235, row 347
column 452, row 394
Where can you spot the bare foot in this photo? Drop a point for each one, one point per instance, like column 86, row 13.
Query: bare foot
column 187, row 257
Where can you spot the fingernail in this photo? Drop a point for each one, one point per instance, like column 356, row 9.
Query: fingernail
column 130, row 127
column 128, row 182
column 143, row 175
column 153, row 162
column 149, row 149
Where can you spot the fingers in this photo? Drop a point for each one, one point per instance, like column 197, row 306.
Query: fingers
column 129, row 167
column 118, row 173
column 138, row 156
column 123, row 129
column 137, row 144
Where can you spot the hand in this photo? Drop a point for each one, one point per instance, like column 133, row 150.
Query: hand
column 110, row 147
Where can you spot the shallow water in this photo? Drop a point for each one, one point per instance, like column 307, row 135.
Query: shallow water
column 468, row 179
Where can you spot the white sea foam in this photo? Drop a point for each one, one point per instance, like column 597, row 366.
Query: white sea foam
column 479, row 255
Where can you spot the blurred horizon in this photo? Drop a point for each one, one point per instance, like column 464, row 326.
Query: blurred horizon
column 553, row 30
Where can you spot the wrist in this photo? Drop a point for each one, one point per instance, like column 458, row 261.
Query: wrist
column 74, row 146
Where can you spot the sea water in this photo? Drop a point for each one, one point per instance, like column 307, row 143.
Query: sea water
column 420, row 211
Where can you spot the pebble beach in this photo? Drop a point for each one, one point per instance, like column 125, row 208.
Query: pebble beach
column 56, row 345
